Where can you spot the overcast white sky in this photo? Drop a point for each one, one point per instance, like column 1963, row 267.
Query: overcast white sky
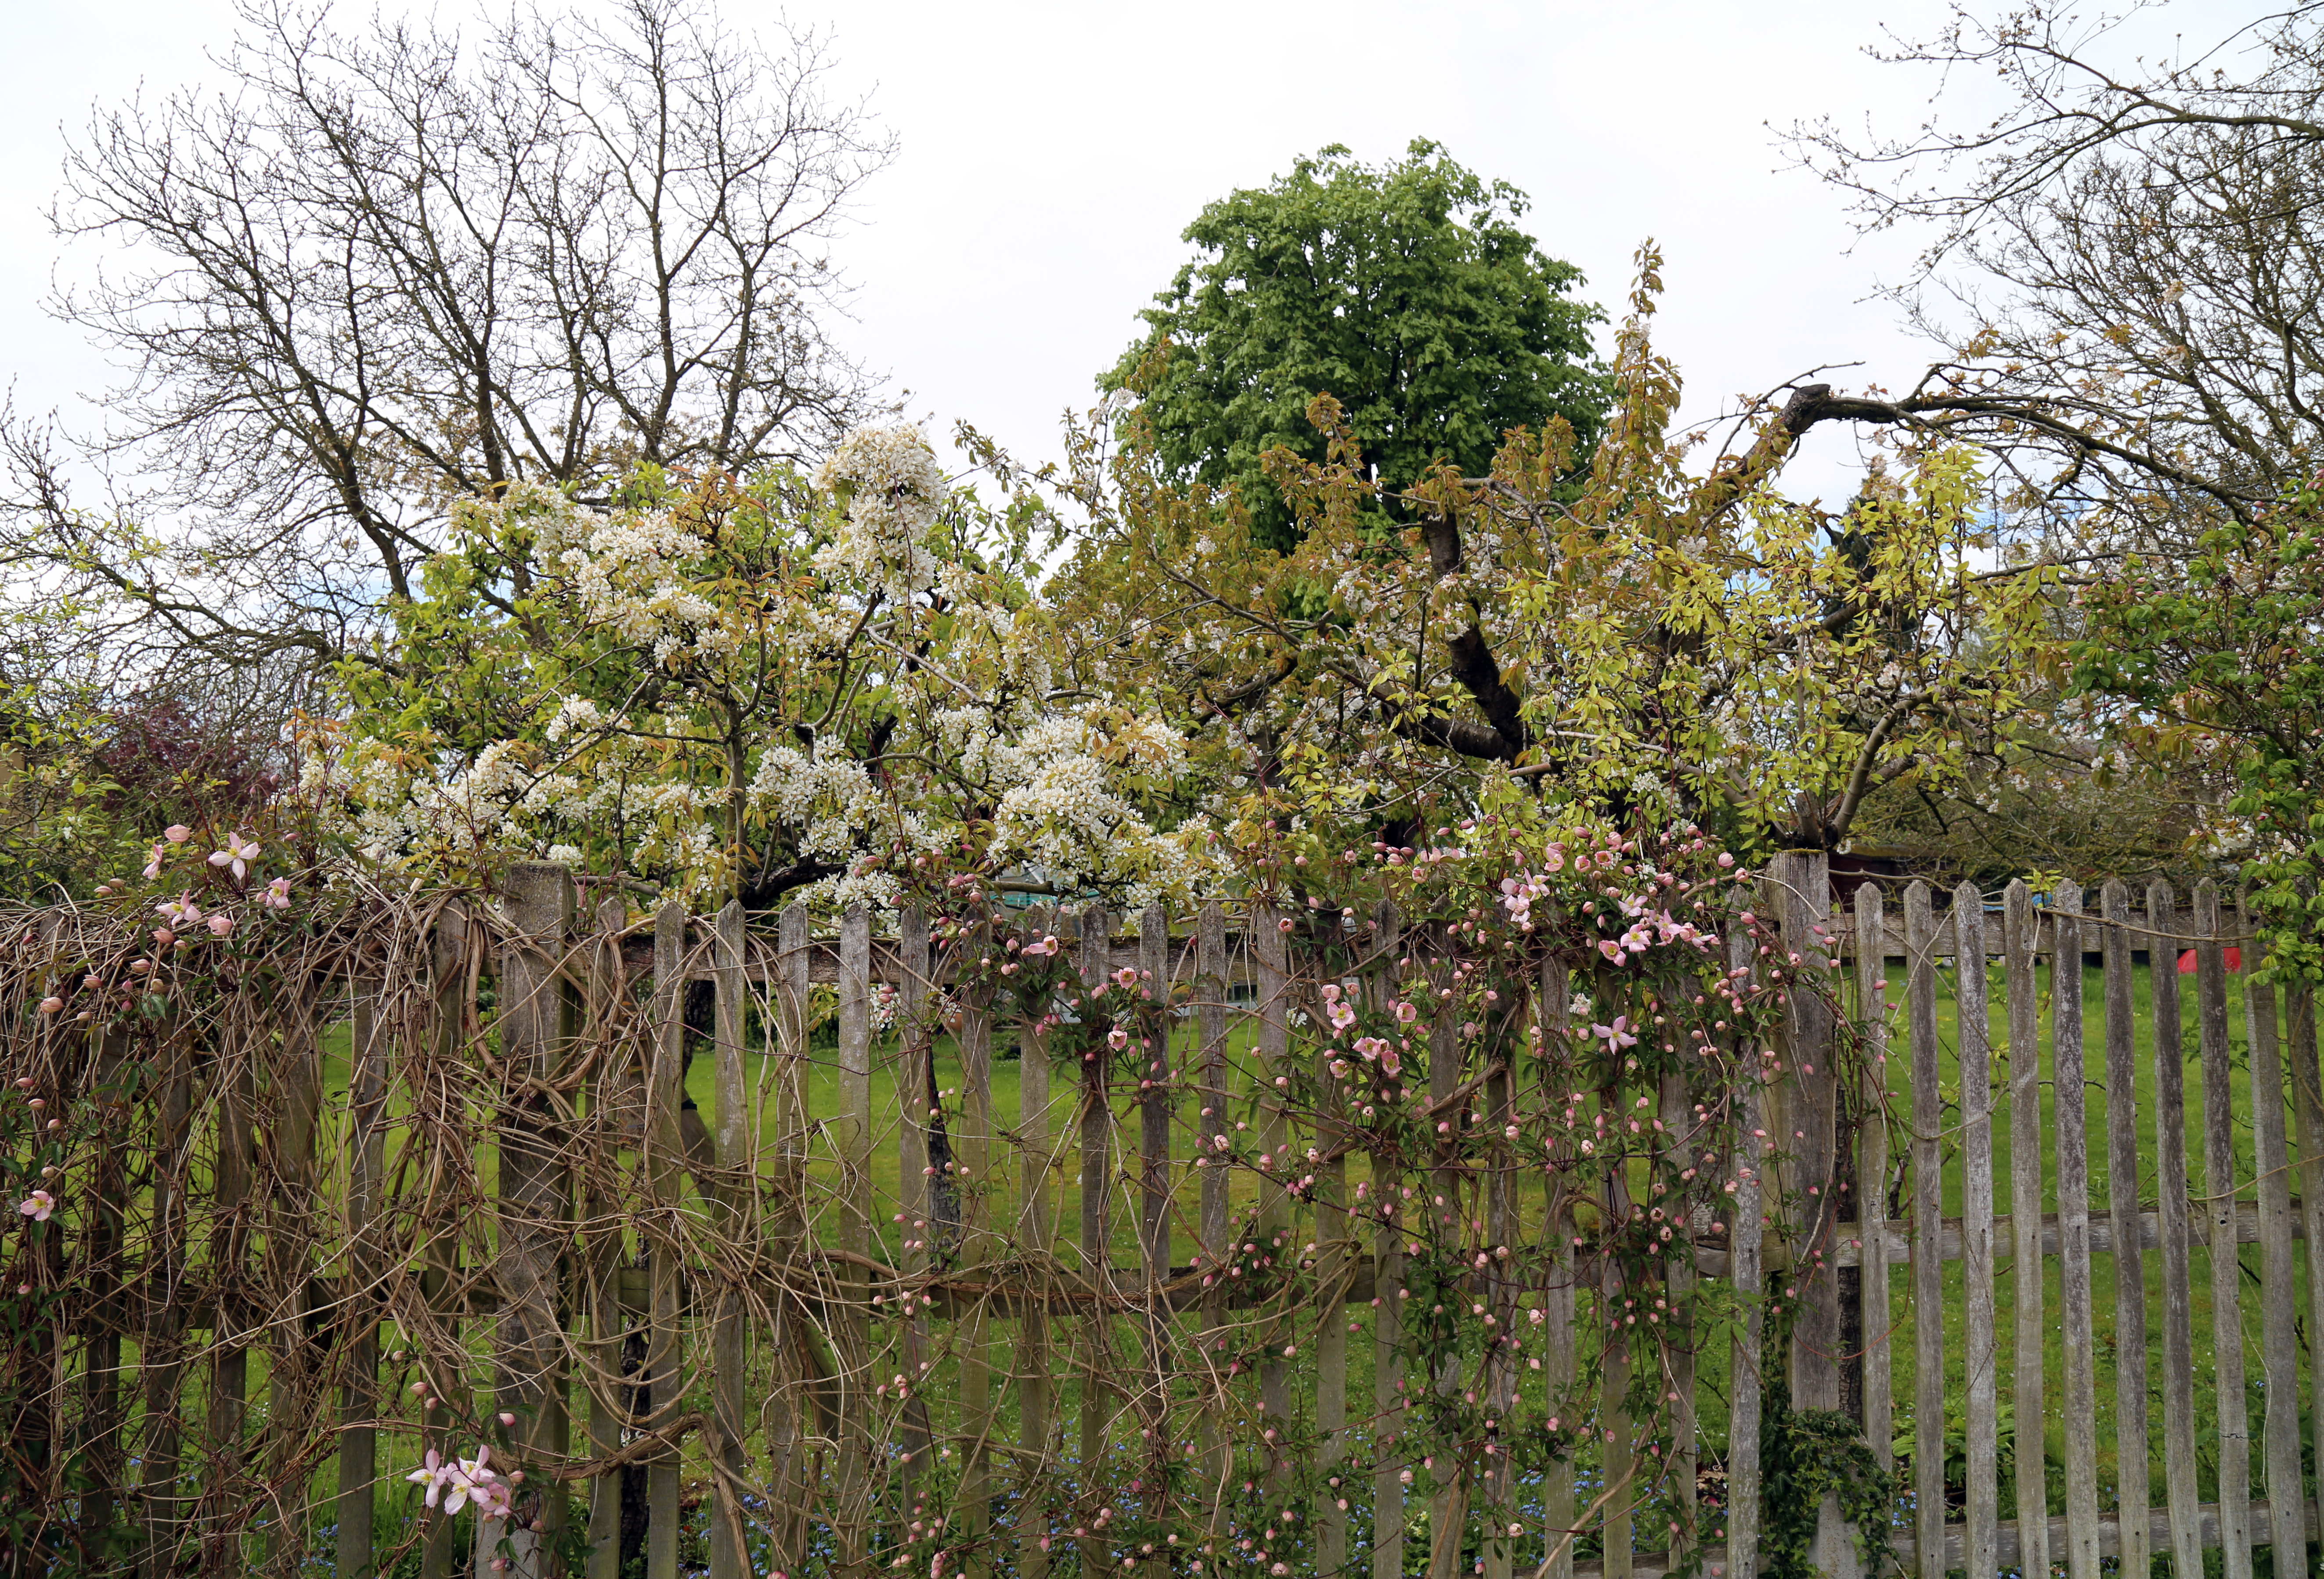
column 1052, row 153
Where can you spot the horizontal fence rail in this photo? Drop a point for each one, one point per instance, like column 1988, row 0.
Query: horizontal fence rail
column 773, row 1252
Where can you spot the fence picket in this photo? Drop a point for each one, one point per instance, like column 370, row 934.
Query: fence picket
column 2219, row 1211
column 665, row 1152
column 2070, row 1092
column 2020, row 938
column 1034, row 1232
column 2175, row 1231
column 2279, row 1300
column 1927, row 1217
column 914, row 1083
column 978, row 1249
column 535, row 1023
column 852, row 1329
column 1872, row 1176
column 2129, row 1259
column 1980, row 1349
column 1743, row 1480
column 366, row 1152
column 1333, row 1237
column 1387, row 1320
column 1449, row 1508
column 1212, row 1097
column 453, row 967
column 609, row 1328
column 736, row 1163
column 2308, row 1135
column 1155, row 1107
column 1097, row 1252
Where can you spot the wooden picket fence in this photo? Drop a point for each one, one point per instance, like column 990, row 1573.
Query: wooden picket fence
column 411, row 1219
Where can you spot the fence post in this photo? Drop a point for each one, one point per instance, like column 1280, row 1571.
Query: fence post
column 2129, row 1246
column 535, row 1021
column 607, row 1326
column 1097, row 1256
column 2279, row 1298
column 1928, row 1236
column 2070, row 1092
column 664, row 1149
column 2174, row 1215
column 443, row 1362
column 2307, row 1136
column 1212, row 1094
column 914, row 1081
column 1872, row 1174
column 2020, row 941
column 1388, row 1279
column 1035, row 1235
column 366, row 1149
column 1802, row 899
column 973, row 1331
column 1449, row 1510
column 1743, row 1480
column 162, row 1348
column 235, row 1093
column 2219, row 1212
column 738, row 1193
column 1980, row 1349
column 853, row 1328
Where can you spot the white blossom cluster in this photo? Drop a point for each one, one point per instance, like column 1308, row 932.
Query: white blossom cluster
column 894, row 489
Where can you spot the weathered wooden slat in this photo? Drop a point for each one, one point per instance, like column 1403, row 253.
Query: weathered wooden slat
column 737, row 1155
column 1098, row 1361
column 1158, row 1084
column 664, row 1164
column 608, row 1329
column 915, row 1081
column 1676, row 1103
column 973, row 1335
column 2174, row 1222
column 2220, row 1188
column 1036, row 1232
column 359, row 1400
column 535, row 1025
column 1387, row 1319
column 2279, row 1277
column 2070, row 1098
column 1213, row 1094
column 1745, row 1383
column 2132, row 1492
column 1928, row 1214
column 1503, row 1230
column 850, row 1131
column 1980, row 1346
column 1448, row 1509
column 2308, row 1135
column 1274, row 1050
column 233, row 1099
column 454, row 967
column 2020, row 937
column 1872, row 1181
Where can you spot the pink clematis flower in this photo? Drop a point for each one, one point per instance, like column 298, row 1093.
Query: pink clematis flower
column 1117, row 1038
column 1125, row 978
column 1406, row 1013
column 38, row 1205
column 238, row 854
column 1617, row 1035
column 153, row 861
column 434, row 1474
column 180, row 912
column 221, row 925
column 277, row 896
column 177, row 833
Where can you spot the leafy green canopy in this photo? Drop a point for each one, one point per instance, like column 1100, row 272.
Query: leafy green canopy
column 1407, row 291
column 2214, row 664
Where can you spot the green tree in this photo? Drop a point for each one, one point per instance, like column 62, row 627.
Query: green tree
column 1407, row 291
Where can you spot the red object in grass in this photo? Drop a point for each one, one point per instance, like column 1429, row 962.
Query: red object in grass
column 2187, row 961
